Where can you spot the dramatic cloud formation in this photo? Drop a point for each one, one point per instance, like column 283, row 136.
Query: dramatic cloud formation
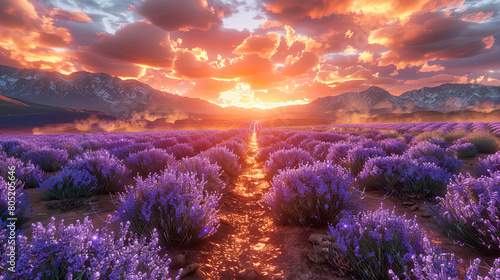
column 259, row 53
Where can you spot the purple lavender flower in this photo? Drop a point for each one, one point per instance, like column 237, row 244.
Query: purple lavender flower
column 175, row 204
column 469, row 213
column 47, row 159
column 403, row 177
column 375, row 242
column 283, row 159
column 81, row 252
column 149, row 161
column 489, row 164
column 311, row 195
column 110, row 173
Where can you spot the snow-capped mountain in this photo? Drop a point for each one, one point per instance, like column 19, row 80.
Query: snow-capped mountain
column 102, row 92
column 375, row 100
column 453, row 97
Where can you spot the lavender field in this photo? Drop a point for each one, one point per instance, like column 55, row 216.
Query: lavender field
column 367, row 201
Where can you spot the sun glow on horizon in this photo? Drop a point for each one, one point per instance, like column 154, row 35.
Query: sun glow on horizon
column 243, row 96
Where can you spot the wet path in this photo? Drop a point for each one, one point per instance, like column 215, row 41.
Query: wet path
column 245, row 250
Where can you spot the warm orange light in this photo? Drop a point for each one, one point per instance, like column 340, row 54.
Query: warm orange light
column 243, row 96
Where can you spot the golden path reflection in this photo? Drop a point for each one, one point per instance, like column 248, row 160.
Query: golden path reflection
column 246, row 248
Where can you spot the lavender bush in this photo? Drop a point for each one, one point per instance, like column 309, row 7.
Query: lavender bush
column 484, row 141
column 357, row 157
column 27, row 173
column 20, row 204
column 173, row 203
column 264, row 153
column 283, row 159
column 338, row 152
column 48, row 159
column 204, row 171
column 149, row 161
column 432, row 264
column 463, row 150
column 110, row 173
column 180, row 151
column 470, row 211
column 403, row 177
column 489, row 164
column 311, row 195
column 224, row 158
column 69, row 183
column 394, row 146
column 428, row 152
column 321, row 151
column 376, row 242
column 81, row 252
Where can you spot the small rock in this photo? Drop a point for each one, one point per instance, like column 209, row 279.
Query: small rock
column 178, row 261
column 414, row 207
column 189, row 270
column 317, row 238
column 409, row 203
column 316, row 257
column 224, row 221
column 252, row 275
column 426, row 214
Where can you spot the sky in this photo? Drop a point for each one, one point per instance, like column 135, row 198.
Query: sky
column 259, row 53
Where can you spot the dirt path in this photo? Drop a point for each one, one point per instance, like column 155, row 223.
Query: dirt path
column 242, row 248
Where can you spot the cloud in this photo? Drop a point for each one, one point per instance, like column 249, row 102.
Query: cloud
column 431, row 68
column 187, row 65
column 138, row 43
column 365, row 57
column 99, row 64
column 210, row 89
column 174, row 15
column 263, row 45
column 429, row 37
column 269, row 24
column 437, row 80
column 317, row 9
column 246, row 65
column 301, row 65
column 215, row 41
column 477, row 17
column 70, row 16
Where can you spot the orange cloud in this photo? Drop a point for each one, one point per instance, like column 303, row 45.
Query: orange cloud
column 488, row 42
column 174, row 15
column 269, row 24
column 310, row 44
column 477, row 17
column 210, row 89
column 28, row 38
column 302, row 65
column 246, row 65
column 187, row 65
column 365, row 57
column 431, row 68
column 429, row 37
column 71, row 16
column 438, row 79
column 99, row 64
column 138, row 43
column 263, row 45
column 392, row 9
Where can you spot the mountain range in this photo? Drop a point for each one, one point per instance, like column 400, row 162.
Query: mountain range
column 112, row 95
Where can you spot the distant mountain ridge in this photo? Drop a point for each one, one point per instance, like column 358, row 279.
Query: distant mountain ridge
column 102, row 92
column 375, row 100
column 94, row 91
